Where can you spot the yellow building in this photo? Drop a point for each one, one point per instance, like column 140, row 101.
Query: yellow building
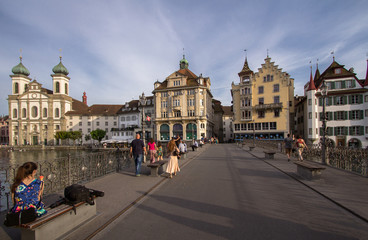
column 263, row 102
column 183, row 105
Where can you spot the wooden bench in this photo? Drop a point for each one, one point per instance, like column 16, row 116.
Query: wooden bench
column 309, row 171
column 58, row 221
column 269, row 154
column 155, row 167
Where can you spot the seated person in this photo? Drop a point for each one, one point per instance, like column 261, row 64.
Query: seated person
column 26, row 190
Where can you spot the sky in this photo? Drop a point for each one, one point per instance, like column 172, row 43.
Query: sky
column 116, row 49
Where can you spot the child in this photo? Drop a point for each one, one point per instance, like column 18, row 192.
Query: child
column 159, row 152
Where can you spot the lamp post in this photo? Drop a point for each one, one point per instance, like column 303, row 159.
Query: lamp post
column 254, row 132
column 324, row 89
column 143, row 100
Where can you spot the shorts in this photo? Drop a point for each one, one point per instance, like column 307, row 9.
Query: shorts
column 288, row 150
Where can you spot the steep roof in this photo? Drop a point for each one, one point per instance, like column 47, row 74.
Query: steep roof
column 191, row 79
column 366, row 77
column 227, row 110
column 79, row 108
column 330, row 73
column 311, row 83
column 246, row 70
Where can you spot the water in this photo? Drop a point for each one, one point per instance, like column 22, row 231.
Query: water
column 19, row 157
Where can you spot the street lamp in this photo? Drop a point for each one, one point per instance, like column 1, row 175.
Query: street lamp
column 254, row 132
column 324, row 90
column 143, row 100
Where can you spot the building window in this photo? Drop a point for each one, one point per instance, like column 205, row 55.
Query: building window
column 268, row 78
column 115, row 123
column 16, row 88
column 45, row 112
column 164, row 114
column 89, row 124
column 310, row 131
column 310, row 115
column 15, row 113
column 355, row 115
column 177, row 83
column 89, row 130
column 243, row 126
column 355, row 131
column 122, row 119
column 190, row 102
column 80, row 123
column 57, row 112
column 277, row 113
column 260, row 90
column 34, row 112
column 276, row 88
column 191, row 92
column 66, row 88
column 276, row 99
column 97, row 123
column 265, row 126
column 261, row 114
column 57, row 127
column 250, row 126
column 339, row 100
column 164, row 104
column 273, row 125
column 128, row 118
column 176, row 102
column 309, row 101
column 57, row 87
column 24, row 113
column 190, row 113
column 201, row 102
column 337, row 70
column 134, row 118
column 177, row 93
column 354, row 99
column 260, row 101
column 164, row 94
column 237, row 127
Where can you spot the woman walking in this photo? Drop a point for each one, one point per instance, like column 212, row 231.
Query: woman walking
column 300, row 144
column 172, row 165
column 152, row 150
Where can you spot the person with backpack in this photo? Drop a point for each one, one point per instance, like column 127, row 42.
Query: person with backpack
column 300, row 144
column 137, row 149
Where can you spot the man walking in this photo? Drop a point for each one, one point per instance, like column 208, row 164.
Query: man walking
column 137, row 149
column 288, row 145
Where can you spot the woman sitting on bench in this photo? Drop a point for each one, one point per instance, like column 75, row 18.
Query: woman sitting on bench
column 27, row 190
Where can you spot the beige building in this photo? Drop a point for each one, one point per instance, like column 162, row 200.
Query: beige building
column 183, row 105
column 36, row 113
column 263, row 103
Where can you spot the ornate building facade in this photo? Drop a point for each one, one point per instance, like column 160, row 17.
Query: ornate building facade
column 263, row 103
column 36, row 113
column 346, row 107
column 183, row 105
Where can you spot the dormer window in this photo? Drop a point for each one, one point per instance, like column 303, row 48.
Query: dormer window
column 177, row 83
column 337, row 70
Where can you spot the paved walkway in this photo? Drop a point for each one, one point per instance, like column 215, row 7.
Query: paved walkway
column 337, row 192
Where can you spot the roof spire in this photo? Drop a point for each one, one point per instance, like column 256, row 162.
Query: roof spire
column 20, row 56
column 333, row 55
column 60, row 50
column 311, row 82
column 267, row 53
column 366, row 76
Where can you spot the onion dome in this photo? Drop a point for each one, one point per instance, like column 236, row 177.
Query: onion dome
column 60, row 69
column 20, row 69
column 184, row 63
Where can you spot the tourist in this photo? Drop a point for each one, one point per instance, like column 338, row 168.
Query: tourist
column 159, row 152
column 288, row 146
column 300, row 144
column 152, row 150
column 137, row 149
column 194, row 145
column 173, row 165
column 181, row 147
column 27, row 190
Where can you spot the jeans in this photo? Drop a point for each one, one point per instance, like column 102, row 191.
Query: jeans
column 138, row 163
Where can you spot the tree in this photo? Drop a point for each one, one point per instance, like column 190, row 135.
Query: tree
column 74, row 135
column 87, row 137
column 62, row 135
column 98, row 135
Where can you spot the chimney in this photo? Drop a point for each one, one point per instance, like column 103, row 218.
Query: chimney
column 84, row 98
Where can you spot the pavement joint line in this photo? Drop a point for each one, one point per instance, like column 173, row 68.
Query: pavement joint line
column 135, row 202
column 313, row 189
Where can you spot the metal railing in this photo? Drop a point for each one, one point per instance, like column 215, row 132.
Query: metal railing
column 349, row 159
column 61, row 172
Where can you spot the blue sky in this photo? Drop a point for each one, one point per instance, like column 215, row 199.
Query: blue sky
column 116, row 49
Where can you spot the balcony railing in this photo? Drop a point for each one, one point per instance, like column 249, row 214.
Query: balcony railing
column 268, row 106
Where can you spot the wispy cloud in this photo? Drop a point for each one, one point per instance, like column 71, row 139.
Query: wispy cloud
column 115, row 50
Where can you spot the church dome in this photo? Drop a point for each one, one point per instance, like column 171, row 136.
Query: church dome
column 60, row 69
column 183, row 63
column 20, row 69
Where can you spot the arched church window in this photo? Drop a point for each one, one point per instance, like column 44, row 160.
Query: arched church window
column 24, row 113
column 66, row 88
column 15, row 113
column 16, row 88
column 57, row 87
column 57, row 112
column 45, row 112
column 34, row 112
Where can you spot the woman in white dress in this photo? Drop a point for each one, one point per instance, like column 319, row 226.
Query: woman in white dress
column 172, row 165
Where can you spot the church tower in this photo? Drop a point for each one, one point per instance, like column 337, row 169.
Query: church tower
column 20, row 79
column 60, row 79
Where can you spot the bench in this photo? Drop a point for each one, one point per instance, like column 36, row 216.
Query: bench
column 309, row 171
column 269, row 154
column 155, row 167
column 58, row 221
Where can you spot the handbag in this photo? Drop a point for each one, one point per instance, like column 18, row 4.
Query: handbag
column 22, row 217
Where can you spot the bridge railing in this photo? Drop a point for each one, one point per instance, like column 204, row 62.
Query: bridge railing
column 349, row 159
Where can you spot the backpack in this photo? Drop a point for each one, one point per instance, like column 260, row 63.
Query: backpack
column 77, row 193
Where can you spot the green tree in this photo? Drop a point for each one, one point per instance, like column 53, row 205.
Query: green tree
column 74, row 135
column 87, row 137
column 62, row 135
column 98, row 135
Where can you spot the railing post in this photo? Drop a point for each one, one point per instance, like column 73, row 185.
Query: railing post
column 117, row 157
column 69, row 170
column 365, row 167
